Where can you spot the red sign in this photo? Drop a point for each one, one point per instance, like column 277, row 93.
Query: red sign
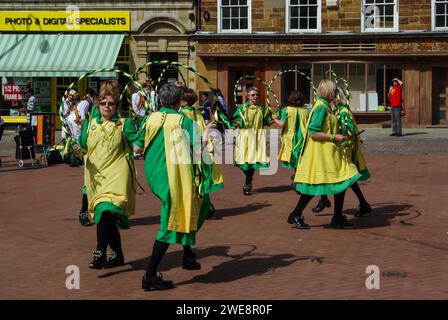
column 16, row 92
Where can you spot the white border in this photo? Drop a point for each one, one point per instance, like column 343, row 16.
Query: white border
column 249, row 19
column 433, row 18
column 396, row 19
column 319, row 19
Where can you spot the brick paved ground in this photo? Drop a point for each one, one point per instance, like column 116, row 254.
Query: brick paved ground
column 251, row 252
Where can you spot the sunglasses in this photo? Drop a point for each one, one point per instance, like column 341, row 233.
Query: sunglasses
column 106, row 103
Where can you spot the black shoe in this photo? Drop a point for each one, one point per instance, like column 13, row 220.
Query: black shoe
column 156, row 283
column 84, row 219
column 246, row 189
column 392, row 135
column 190, row 263
column 298, row 221
column 115, row 260
column 321, row 205
column 363, row 210
column 398, row 135
column 341, row 222
column 99, row 259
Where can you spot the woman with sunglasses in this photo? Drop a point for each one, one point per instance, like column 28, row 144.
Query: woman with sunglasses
column 109, row 175
column 250, row 146
column 323, row 168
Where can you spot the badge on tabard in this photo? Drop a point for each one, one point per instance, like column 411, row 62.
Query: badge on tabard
column 93, row 127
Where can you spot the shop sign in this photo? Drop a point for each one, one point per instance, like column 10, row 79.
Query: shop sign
column 61, row 21
column 16, row 92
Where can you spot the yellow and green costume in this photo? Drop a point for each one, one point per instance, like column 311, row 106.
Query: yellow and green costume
column 172, row 176
column 250, row 145
column 109, row 173
column 323, row 166
column 292, row 135
column 213, row 178
column 353, row 147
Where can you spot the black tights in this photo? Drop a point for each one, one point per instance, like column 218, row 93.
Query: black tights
column 158, row 251
column 249, row 175
column 305, row 199
column 85, row 203
column 356, row 189
column 107, row 234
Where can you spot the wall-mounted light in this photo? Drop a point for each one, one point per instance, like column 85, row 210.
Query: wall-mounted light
column 206, row 16
column 332, row 4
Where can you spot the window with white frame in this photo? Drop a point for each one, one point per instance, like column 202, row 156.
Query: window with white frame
column 440, row 14
column 234, row 16
column 303, row 15
column 380, row 15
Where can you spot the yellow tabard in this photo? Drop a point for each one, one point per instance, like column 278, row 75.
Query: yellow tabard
column 109, row 170
column 250, row 143
column 185, row 201
column 323, row 162
column 197, row 117
column 289, row 131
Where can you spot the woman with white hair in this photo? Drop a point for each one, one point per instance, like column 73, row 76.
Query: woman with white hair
column 323, row 167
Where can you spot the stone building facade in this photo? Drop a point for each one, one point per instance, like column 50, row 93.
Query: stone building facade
column 369, row 42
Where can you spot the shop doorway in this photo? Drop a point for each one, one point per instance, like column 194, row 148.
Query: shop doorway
column 440, row 96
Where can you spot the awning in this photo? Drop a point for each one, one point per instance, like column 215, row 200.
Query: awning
column 57, row 55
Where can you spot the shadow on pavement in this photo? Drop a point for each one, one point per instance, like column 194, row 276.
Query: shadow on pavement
column 240, row 266
column 275, row 189
column 229, row 212
column 413, row 133
column 383, row 213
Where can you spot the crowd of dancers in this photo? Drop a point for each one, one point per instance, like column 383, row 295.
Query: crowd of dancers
column 322, row 145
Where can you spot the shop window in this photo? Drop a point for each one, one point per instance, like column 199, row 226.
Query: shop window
column 234, row 16
column 303, row 15
column 368, row 83
column 293, row 81
column 440, row 15
column 380, row 15
column 357, row 84
column 42, row 91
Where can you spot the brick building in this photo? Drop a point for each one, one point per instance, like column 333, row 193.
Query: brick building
column 369, row 42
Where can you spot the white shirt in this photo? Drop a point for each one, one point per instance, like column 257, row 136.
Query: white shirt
column 32, row 104
column 153, row 100
column 74, row 128
column 135, row 103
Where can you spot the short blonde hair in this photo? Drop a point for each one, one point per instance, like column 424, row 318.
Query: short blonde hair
column 110, row 88
column 327, row 89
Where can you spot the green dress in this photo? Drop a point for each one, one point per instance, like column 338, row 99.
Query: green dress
column 156, row 172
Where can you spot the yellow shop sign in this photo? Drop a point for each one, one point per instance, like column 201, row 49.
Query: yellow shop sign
column 61, row 21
